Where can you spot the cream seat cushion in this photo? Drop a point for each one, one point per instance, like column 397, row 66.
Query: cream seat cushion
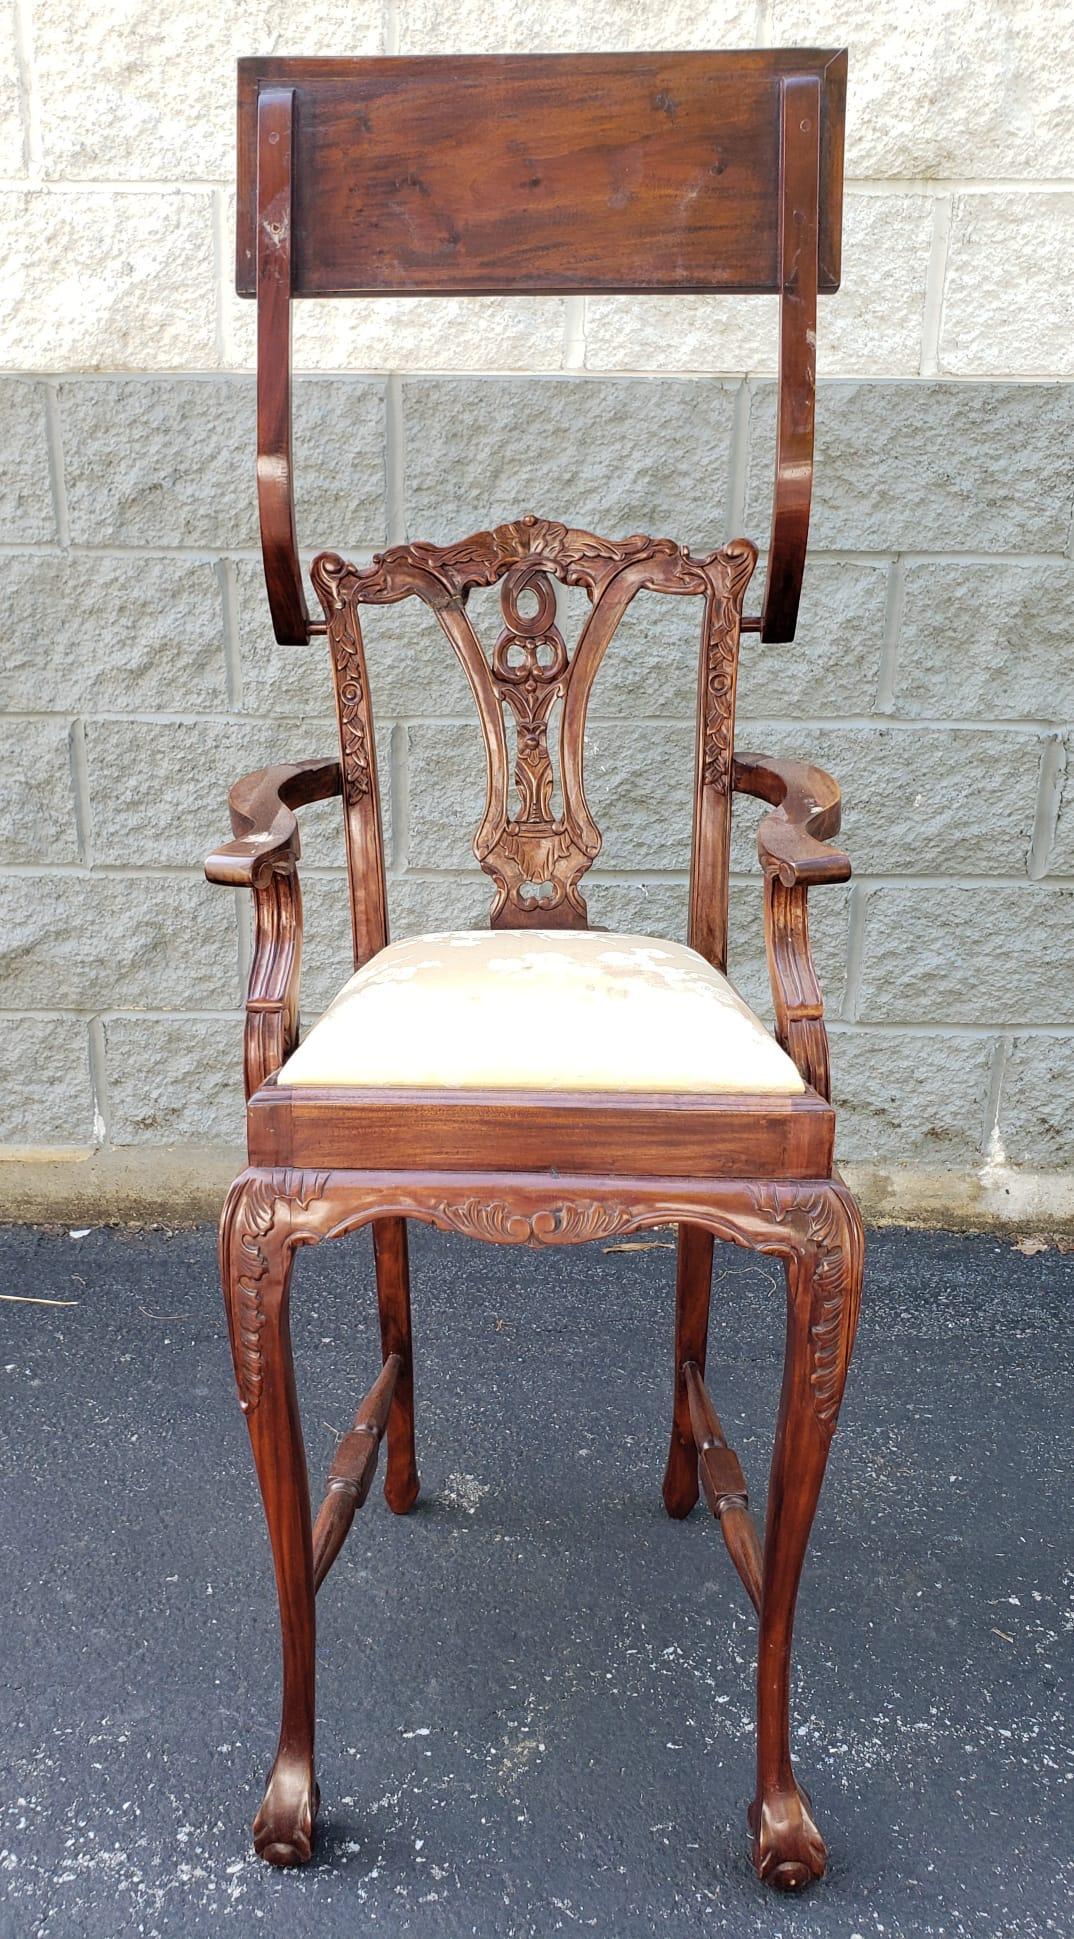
column 541, row 1010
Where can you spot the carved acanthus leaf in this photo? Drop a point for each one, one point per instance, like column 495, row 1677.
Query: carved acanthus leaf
column 834, row 1286
column 560, row 1225
column 266, row 1197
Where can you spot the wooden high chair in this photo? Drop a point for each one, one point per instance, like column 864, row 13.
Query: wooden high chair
column 651, row 1093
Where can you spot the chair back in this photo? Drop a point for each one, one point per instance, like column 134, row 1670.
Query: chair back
column 551, row 173
column 540, row 173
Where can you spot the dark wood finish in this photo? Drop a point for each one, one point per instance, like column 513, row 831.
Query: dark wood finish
column 693, row 1287
column 799, row 171
column 724, row 1483
column 795, row 855
column 353, row 1466
column 264, row 859
column 392, row 1263
column 532, row 1168
column 813, row 1227
column 741, row 1137
column 537, row 172
column 255, row 1269
column 275, row 288
column 459, row 174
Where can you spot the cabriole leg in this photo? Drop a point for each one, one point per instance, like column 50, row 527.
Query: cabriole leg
column 693, row 1283
column 392, row 1259
column 823, row 1290
column 255, row 1265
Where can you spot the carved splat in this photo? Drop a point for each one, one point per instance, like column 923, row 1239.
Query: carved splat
column 536, row 849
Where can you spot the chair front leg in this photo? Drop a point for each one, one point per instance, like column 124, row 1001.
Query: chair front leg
column 255, row 1266
column 823, row 1290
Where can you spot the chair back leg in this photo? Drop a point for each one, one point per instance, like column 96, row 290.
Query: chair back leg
column 693, row 1285
column 392, row 1258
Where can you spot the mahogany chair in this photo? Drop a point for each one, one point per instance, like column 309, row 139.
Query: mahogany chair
column 657, row 1096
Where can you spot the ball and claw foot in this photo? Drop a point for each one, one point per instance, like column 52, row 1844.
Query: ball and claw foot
column 788, row 1850
column 283, row 1828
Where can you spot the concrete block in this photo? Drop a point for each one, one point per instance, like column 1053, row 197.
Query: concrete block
column 158, row 790
column 991, row 642
column 90, row 942
column 991, row 958
column 872, row 327
column 1036, row 1124
column 929, row 801
column 26, row 512
column 165, row 462
column 99, row 281
column 446, row 790
column 412, row 668
column 479, row 333
column 638, row 907
column 929, row 466
column 614, row 455
column 327, row 959
column 520, row 26
column 37, row 805
column 906, row 1099
column 47, row 1094
column 174, row 1080
column 419, row 903
column 936, row 90
column 107, row 79
column 833, row 665
column 415, row 904
column 122, row 633
column 1006, row 308
column 1060, row 860
column 12, row 131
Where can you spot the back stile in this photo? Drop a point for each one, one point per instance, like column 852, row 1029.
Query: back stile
column 332, row 581
column 717, row 687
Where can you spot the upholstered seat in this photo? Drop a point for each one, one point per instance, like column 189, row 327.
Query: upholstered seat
column 541, row 1010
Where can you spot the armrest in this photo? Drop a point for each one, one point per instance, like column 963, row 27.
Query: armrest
column 795, row 857
column 264, row 859
column 792, row 842
column 261, row 806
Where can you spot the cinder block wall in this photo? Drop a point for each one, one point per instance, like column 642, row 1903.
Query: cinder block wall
column 934, row 673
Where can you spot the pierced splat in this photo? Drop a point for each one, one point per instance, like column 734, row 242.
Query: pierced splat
column 535, row 859
column 535, row 851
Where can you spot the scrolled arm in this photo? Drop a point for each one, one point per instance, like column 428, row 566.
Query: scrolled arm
column 264, row 858
column 795, row 856
column 793, row 841
column 262, row 818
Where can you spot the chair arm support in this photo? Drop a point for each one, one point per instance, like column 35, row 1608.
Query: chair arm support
column 792, row 842
column 795, row 857
column 264, row 859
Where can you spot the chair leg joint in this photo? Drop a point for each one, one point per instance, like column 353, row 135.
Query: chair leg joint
column 724, row 1484
column 351, row 1475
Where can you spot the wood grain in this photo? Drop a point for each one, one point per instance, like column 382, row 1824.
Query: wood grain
column 465, row 174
